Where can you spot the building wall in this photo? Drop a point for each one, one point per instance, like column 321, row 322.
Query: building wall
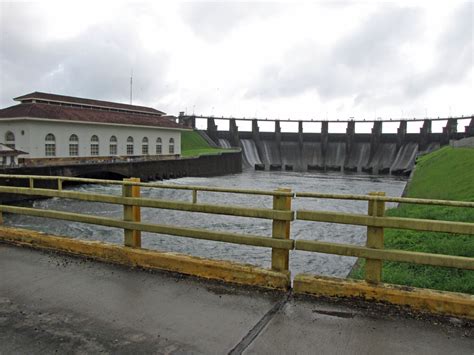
column 8, row 160
column 30, row 137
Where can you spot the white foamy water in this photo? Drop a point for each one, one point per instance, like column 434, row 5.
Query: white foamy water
column 250, row 152
column 224, row 143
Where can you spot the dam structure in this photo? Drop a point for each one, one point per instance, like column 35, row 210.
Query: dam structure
column 375, row 152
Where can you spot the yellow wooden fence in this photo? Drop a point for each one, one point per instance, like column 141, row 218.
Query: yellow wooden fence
column 281, row 215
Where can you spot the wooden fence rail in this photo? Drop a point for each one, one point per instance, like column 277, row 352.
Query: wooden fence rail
column 428, row 225
column 376, row 197
column 196, row 233
column 460, row 262
column 376, row 222
column 61, row 179
column 265, row 213
column 281, row 215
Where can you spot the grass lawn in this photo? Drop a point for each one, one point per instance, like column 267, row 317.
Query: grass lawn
column 445, row 174
column 192, row 144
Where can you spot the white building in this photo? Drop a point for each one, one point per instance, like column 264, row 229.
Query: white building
column 55, row 127
column 9, row 156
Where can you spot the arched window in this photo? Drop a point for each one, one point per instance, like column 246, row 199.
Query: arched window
column 50, row 145
column 113, row 145
column 159, row 148
column 145, row 146
column 94, row 145
column 73, row 145
column 10, row 139
column 171, row 147
column 130, row 145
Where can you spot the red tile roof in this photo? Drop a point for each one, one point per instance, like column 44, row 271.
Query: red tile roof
column 42, row 96
column 58, row 112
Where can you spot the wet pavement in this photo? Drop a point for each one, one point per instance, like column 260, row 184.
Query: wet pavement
column 55, row 303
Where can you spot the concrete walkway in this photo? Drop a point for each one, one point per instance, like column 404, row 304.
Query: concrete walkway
column 54, row 303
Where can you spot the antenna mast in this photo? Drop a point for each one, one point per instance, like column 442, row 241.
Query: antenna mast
column 131, row 87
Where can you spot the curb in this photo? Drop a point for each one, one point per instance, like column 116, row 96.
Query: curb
column 150, row 259
column 418, row 299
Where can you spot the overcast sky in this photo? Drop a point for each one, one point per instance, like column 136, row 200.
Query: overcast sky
column 277, row 60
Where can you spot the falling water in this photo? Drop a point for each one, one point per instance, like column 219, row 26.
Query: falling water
column 224, row 143
column 250, row 152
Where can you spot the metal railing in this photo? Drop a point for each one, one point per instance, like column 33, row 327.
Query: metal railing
column 281, row 215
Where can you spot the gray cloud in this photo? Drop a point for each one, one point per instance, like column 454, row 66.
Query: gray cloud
column 358, row 64
column 377, row 41
column 368, row 66
column 454, row 59
column 96, row 63
column 214, row 20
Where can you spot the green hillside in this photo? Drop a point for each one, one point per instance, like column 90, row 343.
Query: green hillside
column 192, row 144
column 445, row 174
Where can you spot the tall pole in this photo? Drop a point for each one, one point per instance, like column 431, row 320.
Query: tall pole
column 131, row 86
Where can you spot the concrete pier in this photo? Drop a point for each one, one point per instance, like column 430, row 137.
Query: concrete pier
column 324, row 140
column 234, row 134
column 212, row 130
column 450, row 130
column 350, row 140
column 278, row 133
column 401, row 133
column 55, row 303
column 425, row 133
column 469, row 130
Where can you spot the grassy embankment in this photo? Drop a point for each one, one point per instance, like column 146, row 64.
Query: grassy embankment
column 192, row 144
column 446, row 174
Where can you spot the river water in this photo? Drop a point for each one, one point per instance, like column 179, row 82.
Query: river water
column 321, row 264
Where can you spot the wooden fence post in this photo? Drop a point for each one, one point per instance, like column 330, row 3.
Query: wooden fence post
column 281, row 230
column 132, row 238
column 375, row 236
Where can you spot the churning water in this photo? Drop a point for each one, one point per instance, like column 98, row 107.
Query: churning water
column 321, row 264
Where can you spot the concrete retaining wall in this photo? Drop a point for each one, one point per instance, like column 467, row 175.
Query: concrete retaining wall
column 205, row 165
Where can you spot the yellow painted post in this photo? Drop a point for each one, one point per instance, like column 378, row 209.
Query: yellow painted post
column 195, row 196
column 375, row 236
column 32, row 183
column 60, row 184
column 131, row 213
column 281, row 230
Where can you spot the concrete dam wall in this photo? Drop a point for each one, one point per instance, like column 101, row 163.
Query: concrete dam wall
column 336, row 157
column 375, row 152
